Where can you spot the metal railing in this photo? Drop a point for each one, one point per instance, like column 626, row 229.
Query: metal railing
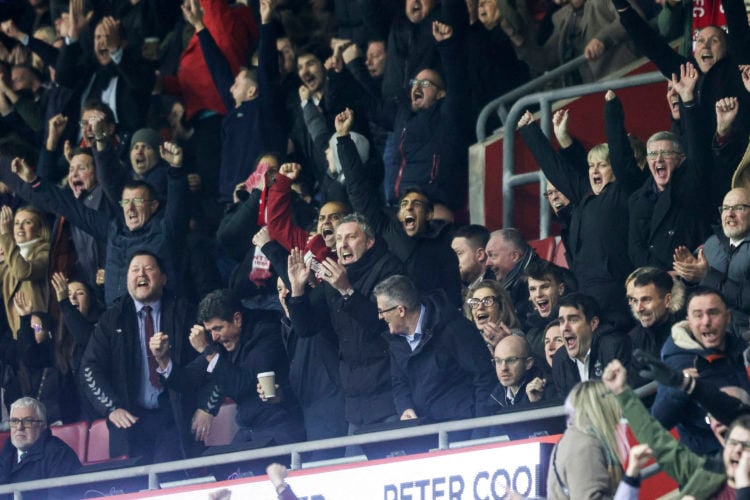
column 296, row 449
column 545, row 101
column 498, row 105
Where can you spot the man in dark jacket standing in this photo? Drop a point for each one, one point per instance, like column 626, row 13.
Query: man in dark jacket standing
column 32, row 451
column 440, row 369
column 589, row 344
column 120, row 375
column 233, row 353
column 422, row 243
column 362, row 263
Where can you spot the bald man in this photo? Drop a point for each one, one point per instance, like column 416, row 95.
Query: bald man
column 515, row 367
column 724, row 261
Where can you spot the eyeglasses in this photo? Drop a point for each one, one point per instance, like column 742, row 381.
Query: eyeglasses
column 138, row 202
column 383, row 311
column 733, row 208
column 507, row 361
column 550, row 192
column 486, row 301
column 422, row 83
column 665, row 153
column 27, row 422
column 734, row 442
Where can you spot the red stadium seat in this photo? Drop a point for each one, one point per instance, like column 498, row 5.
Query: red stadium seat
column 224, row 426
column 560, row 258
column 4, row 436
column 75, row 435
column 544, row 248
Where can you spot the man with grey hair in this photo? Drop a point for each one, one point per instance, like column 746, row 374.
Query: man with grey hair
column 724, row 261
column 508, row 256
column 669, row 210
column 363, row 261
column 32, row 452
column 439, row 370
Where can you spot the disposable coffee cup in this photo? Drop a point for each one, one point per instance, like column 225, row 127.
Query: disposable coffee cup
column 267, row 381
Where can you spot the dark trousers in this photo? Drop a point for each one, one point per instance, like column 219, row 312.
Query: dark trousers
column 155, row 437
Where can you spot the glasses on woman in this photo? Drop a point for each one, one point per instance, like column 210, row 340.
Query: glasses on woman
column 485, row 301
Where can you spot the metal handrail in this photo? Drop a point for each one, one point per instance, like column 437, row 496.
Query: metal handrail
column 545, row 100
column 295, row 449
column 498, row 104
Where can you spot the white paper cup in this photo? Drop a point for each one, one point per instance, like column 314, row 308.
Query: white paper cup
column 267, row 381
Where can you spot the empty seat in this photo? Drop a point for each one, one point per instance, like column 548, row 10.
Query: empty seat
column 224, row 426
column 98, row 449
column 544, row 248
column 75, row 435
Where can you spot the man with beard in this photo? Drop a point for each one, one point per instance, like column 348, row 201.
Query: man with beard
column 702, row 344
column 724, row 261
column 421, row 243
column 469, row 244
column 281, row 226
column 349, row 282
column 120, row 376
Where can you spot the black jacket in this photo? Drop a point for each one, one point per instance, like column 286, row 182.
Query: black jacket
column 607, row 344
column 364, row 367
column 48, row 457
column 110, row 364
column 421, row 254
column 449, row 375
column 662, row 221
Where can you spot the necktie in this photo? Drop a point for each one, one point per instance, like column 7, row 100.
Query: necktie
column 148, row 321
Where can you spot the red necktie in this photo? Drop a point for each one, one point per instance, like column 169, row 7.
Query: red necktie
column 153, row 376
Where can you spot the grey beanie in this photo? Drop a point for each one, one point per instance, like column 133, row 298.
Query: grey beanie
column 147, row 135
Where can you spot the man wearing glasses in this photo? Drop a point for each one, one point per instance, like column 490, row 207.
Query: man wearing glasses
column 142, row 225
column 671, row 208
column 32, row 451
column 439, row 369
column 724, row 260
column 516, row 375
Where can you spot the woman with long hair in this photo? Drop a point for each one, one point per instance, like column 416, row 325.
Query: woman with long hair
column 24, row 240
column 587, row 461
column 490, row 307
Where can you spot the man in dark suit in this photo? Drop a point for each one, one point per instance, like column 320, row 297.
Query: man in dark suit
column 120, row 373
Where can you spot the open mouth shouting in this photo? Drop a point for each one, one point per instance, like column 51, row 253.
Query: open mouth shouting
column 543, row 306
column 310, row 81
column 417, row 98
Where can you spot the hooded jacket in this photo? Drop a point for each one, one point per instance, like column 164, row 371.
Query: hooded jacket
column 672, row 407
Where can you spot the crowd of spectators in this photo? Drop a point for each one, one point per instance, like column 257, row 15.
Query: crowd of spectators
column 198, row 192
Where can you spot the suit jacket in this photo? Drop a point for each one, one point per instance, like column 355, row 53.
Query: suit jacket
column 111, row 363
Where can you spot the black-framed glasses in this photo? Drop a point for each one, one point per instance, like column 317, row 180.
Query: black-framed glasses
column 485, row 301
column 383, row 311
column 423, row 83
column 138, row 202
column 734, row 208
column 27, row 422
column 506, row 361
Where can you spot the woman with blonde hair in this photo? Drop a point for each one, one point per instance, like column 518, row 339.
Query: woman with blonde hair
column 489, row 305
column 587, row 461
column 24, row 241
